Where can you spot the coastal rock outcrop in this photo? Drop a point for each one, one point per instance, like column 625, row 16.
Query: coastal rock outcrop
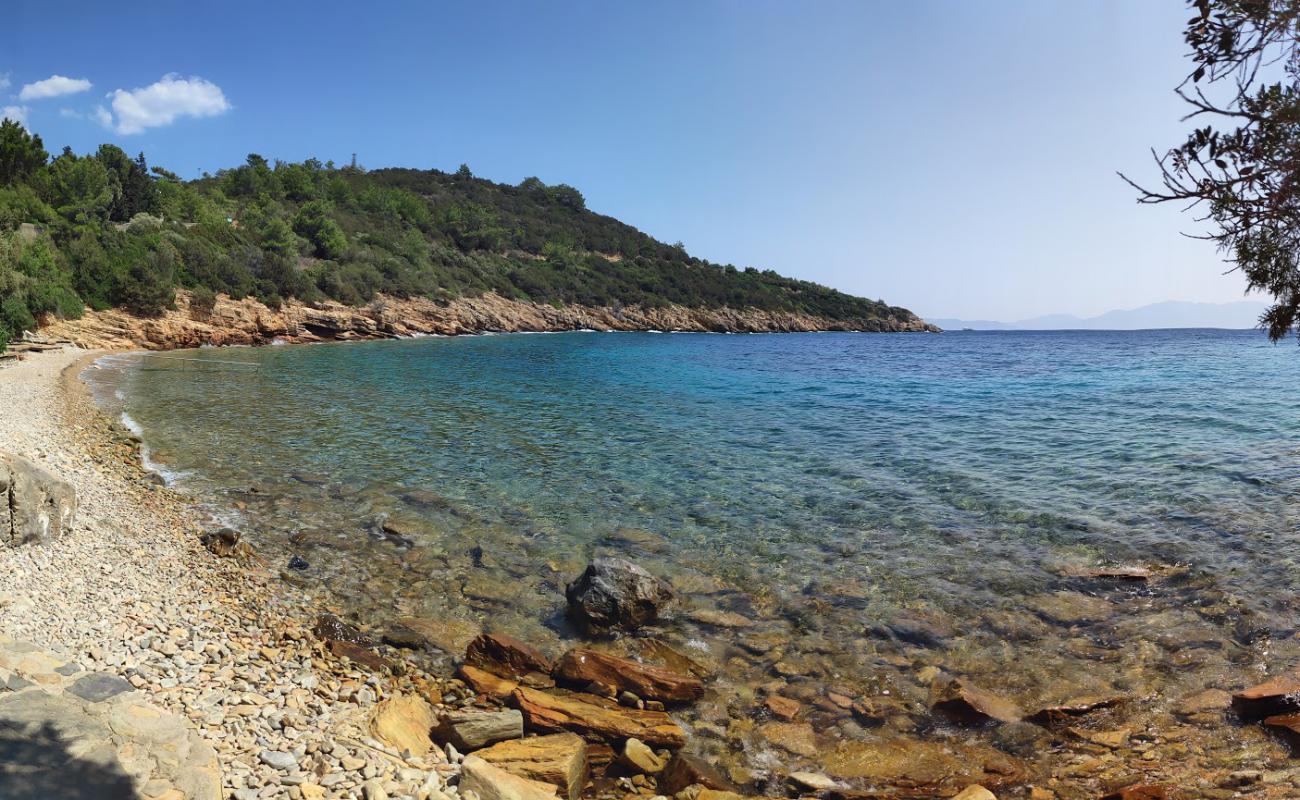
column 615, row 593
column 35, row 505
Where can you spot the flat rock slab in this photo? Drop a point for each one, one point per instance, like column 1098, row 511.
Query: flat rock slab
column 98, row 687
column 92, row 737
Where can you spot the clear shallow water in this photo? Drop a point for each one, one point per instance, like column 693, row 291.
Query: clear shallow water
column 822, row 485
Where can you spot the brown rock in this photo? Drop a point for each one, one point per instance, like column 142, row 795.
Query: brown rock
column 783, row 707
column 359, row 655
column 1286, row 724
column 581, row 666
column 683, row 771
column 615, row 593
column 448, row 634
column 493, row 783
column 1145, row 791
column 1209, row 701
column 798, row 738
column 1112, row 739
column 967, row 705
column 1051, row 716
column 596, row 718
column 720, row 619
column 506, row 656
column 974, row 792
column 559, row 759
column 484, row 682
column 659, row 650
column 1280, row 695
column 404, row 721
column 332, row 629
column 470, row 730
column 924, row 766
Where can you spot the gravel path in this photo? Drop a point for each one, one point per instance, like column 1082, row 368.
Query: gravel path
column 131, row 592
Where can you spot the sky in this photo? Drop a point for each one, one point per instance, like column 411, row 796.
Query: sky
column 955, row 158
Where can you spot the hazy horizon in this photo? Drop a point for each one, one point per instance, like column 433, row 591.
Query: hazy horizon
column 959, row 161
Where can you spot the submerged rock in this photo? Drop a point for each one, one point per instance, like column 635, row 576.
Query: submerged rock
column 506, row 656
column 1280, row 695
column 615, row 593
column 582, row 666
column 685, row 770
column 35, row 505
column 921, row 766
column 967, row 705
column 331, row 628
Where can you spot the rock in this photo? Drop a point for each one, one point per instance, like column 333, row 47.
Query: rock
column 373, row 790
column 657, row 650
column 277, row 759
column 484, row 682
column 918, row 628
column 1072, row 608
column 333, row 629
column 683, row 771
column 1052, row 716
column 447, row 634
column 1209, row 701
column 812, row 781
column 404, row 721
column 35, row 505
column 581, row 666
column 1112, row 739
column 596, row 718
column 1286, row 724
column 98, row 687
column 359, row 655
column 923, row 766
column 782, row 707
column 506, row 656
column 638, row 756
column 719, row 619
column 615, row 593
column 967, row 705
column 1280, row 695
column 797, row 738
column 470, row 730
column 493, row 783
column 1145, row 791
column 974, row 792
column 298, row 563
column 1108, row 573
column 559, row 759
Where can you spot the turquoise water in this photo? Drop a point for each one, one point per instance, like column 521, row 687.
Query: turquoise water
column 821, row 485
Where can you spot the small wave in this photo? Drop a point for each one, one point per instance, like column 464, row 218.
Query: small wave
column 169, row 476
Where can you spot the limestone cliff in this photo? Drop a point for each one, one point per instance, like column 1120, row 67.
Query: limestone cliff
column 249, row 322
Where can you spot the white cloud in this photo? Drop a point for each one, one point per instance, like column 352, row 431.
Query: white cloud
column 163, row 102
column 4, row 81
column 101, row 115
column 53, row 86
column 15, row 113
column 68, row 113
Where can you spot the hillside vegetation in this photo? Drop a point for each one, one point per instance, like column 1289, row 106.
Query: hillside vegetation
column 104, row 230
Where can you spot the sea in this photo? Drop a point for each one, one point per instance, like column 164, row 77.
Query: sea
column 837, row 512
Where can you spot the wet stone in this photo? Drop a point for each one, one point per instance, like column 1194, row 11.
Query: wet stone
column 98, row 687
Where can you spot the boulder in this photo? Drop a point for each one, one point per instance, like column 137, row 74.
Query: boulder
column 506, row 656
column 968, row 705
column 684, row 770
column 595, row 718
column 35, row 505
column 1280, row 695
column 404, row 721
column 559, row 759
column 470, row 730
column 581, row 666
column 615, row 593
column 494, row 783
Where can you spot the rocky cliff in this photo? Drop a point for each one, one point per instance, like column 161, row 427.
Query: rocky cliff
column 249, row 322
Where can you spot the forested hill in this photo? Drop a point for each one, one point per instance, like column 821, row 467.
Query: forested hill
column 103, row 230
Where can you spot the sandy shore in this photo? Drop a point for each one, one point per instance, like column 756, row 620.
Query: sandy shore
column 131, row 591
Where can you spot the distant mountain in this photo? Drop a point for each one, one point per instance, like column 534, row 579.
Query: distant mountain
column 1240, row 315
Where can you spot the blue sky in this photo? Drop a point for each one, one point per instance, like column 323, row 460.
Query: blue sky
column 957, row 158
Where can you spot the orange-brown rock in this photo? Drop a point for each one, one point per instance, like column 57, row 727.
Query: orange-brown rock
column 1064, row 713
column 596, row 718
column 581, row 666
column 1280, row 695
column 782, row 707
column 1286, row 724
column 485, row 683
column 360, row 655
column 506, row 656
column 684, row 770
column 922, row 767
column 559, row 759
column 450, row 635
column 967, row 705
column 247, row 321
column 404, row 721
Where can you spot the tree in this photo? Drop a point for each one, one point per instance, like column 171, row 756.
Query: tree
column 1242, row 168
column 80, row 189
column 315, row 224
column 21, row 153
